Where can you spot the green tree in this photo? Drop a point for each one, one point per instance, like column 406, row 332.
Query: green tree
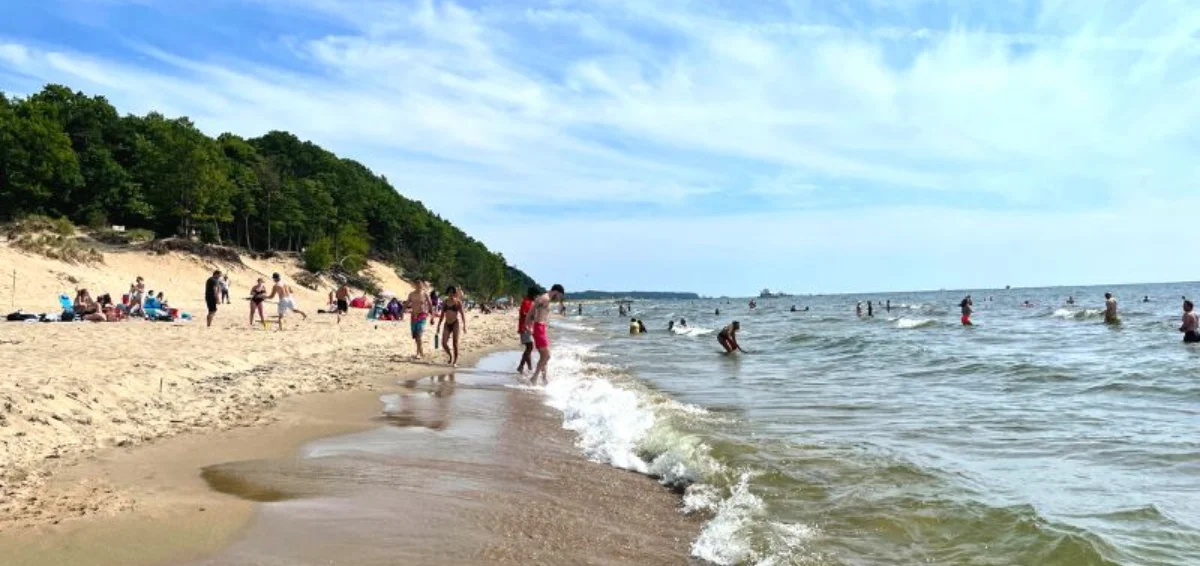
column 38, row 169
column 318, row 256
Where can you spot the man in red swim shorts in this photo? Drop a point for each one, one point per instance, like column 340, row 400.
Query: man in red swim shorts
column 536, row 321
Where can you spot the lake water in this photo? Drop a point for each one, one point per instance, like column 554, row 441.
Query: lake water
column 1041, row 436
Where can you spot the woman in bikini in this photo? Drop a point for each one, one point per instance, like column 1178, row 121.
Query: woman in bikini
column 453, row 317
column 258, row 294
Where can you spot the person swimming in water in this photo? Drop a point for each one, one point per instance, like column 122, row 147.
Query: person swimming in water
column 671, row 325
column 633, row 326
column 1147, row 299
column 642, row 326
column 1110, row 309
column 1191, row 323
column 717, row 312
column 727, row 338
column 1070, row 300
column 683, row 322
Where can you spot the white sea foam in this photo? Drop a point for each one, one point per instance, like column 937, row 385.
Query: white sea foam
column 691, row 330
column 565, row 325
column 907, row 323
column 1068, row 314
column 628, row 427
column 724, row 540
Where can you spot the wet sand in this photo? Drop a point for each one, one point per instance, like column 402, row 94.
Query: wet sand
column 461, row 470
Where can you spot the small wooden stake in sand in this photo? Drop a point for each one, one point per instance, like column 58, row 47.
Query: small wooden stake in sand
column 160, row 385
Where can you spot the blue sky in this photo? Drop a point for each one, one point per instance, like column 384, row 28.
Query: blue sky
column 717, row 147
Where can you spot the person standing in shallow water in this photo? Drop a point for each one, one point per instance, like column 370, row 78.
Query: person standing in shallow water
column 524, row 331
column 967, row 308
column 1110, row 309
column 538, row 319
column 870, row 309
column 727, row 338
column 1191, row 323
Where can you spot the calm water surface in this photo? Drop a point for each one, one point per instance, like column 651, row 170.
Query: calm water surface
column 1040, row 436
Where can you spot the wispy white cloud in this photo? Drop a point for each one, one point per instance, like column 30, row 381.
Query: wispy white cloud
column 722, row 111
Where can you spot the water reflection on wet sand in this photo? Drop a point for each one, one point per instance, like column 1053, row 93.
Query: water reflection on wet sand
column 462, row 470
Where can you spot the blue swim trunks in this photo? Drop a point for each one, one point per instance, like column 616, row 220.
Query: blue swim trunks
column 418, row 327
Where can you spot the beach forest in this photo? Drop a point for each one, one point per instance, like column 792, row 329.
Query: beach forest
column 64, row 154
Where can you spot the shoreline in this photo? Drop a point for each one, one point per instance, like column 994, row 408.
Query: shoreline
column 61, row 415
column 182, row 519
column 170, row 511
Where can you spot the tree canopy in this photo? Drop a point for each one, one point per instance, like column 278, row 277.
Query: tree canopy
column 65, row 154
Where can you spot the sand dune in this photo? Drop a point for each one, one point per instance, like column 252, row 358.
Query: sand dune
column 67, row 389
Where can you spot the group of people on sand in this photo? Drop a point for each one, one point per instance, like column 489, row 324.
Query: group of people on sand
column 447, row 313
column 137, row 303
column 216, row 292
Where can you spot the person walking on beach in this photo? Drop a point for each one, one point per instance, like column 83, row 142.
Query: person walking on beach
column 1191, row 323
column 225, row 288
column 342, row 296
column 727, row 338
column 258, row 294
column 537, row 319
column 212, row 292
column 1110, row 309
column 287, row 299
column 454, row 322
column 421, row 306
column 967, row 306
column 524, row 331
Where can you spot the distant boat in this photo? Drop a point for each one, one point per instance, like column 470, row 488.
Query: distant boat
column 767, row 294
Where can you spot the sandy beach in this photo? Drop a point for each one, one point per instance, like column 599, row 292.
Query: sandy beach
column 143, row 443
column 68, row 390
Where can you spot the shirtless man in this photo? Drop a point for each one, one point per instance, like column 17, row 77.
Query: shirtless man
column 536, row 320
column 287, row 299
column 1110, row 309
column 421, row 306
column 727, row 337
column 343, row 301
column 1191, row 323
